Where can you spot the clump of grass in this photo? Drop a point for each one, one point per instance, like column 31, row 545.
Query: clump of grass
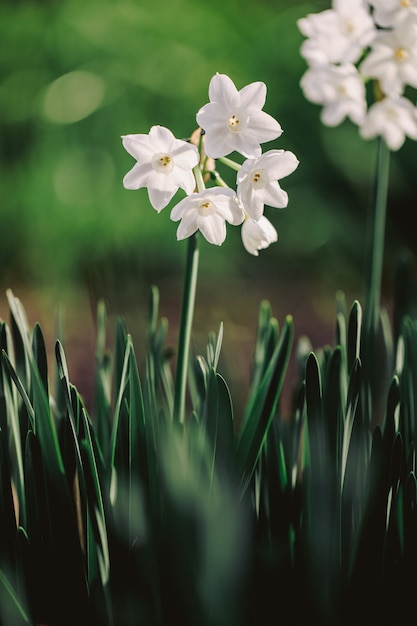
column 128, row 516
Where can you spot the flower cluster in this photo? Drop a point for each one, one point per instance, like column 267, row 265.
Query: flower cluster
column 353, row 42
column 233, row 121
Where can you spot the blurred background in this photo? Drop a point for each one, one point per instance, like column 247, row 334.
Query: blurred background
column 75, row 75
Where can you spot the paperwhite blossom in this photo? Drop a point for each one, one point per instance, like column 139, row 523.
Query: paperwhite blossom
column 208, row 212
column 393, row 58
column 389, row 12
column 393, row 119
column 234, row 120
column 257, row 181
column 164, row 164
column 258, row 235
column 340, row 89
column 337, row 35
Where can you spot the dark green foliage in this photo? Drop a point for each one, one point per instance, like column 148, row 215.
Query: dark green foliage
column 128, row 517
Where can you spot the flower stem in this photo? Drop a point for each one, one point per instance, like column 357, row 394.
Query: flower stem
column 232, row 164
column 377, row 238
column 187, row 313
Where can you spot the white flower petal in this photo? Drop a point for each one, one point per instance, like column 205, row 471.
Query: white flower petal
column 264, row 126
column 258, row 235
column 223, row 90
column 253, row 96
column 188, row 225
column 272, row 195
column 137, row 176
column 138, row 146
column 159, row 198
column 213, row 228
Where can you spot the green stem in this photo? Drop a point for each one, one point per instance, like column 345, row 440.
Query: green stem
column 377, row 239
column 187, row 313
column 232, row 164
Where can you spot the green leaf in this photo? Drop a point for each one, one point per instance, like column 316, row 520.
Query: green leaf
column 12, row 609
column 262, row 409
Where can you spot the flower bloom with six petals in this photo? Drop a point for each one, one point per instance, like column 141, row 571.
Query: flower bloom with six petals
column 393, row 58
column 234, row 121
column 389, row 12
column 393, row 119
column 208, row 212
column 258, row 235
column 339, row 88
column 257, row 181
column 164, row 164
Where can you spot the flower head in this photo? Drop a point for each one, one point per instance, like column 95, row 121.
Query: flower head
column 340, row 89
column 389, row 12
column 393, row 58
column 208, row 212
column 164, row 164
column 337, row 35
column 258, row 235
column 234, row 120
column 393, row 119
column 257, row 181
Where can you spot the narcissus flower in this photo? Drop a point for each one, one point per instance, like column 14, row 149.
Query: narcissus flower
column 393, row 58
column 164, row 165
column 258, row 235
column 257, row 181
column 339, row 88
column 234, row 121
column 208, row 212
column 389, row 12
column 393, row 119
column 337, row 35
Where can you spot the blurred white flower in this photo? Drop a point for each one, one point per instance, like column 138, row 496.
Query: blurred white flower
column 337, row 35
column 393, row 119
column 257, row 181
column 208, row 212
column 258, row 235
column 340, row 89
column 234, row 120
column 393, row 58
column 164, row 164
column 389, row 12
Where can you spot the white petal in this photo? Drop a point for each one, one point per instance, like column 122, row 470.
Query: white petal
column 280, row 163
column 223, row 90
column 273, row 195
column 264, row 126
column 137, row 177
column 161, row 138
column 213, row 228
column 188, row 225
column 218, row 142
column 253, row 96
column 180, row 209
column 138, row 146
column 159, row 198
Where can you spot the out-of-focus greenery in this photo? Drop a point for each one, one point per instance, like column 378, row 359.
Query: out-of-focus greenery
column 78, row 74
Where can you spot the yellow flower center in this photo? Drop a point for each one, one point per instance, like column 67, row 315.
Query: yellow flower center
column 206, row 208
column 234, row 123
column 405, row 3
column 401, row 54
column 163, row 163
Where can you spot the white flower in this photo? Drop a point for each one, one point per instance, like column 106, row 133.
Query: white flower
column 340, row 89
column 258, row 235
column 257, row 181
column 207, row 212
column 393, row 58
column 393, row 119
column 234, row 120
column 164, row 164
column 389, row 12
column 337, row 35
